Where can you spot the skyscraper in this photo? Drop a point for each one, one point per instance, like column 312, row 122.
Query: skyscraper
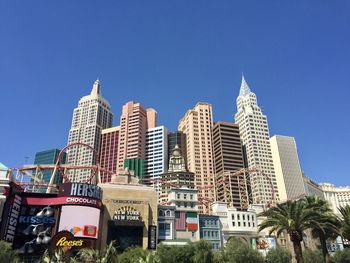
column 109, row 152
column 49, row 157
column 134, row 123
column 287, row 167
column 197, row 125
column 177, row 138
column 156, row 155
column 92, row 115
column 254, row 133
column 231, row 187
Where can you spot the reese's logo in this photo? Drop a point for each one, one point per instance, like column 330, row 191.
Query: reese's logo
column 63, row 242
column 66, row 240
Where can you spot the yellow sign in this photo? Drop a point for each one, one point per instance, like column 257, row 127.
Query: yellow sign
column 63, row 242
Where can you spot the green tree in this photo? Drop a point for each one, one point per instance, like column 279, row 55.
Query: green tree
column 342, row 256
column 278, row 255
column 133, row 255
column 237, row 252
column 345, row 222
column 96, row 256
column 313, row 256
column 56, row 256
column 151, row 258
column 293, row 217
column 203, row 252
column 175, row 254
column 7, row 254
column 328, row 224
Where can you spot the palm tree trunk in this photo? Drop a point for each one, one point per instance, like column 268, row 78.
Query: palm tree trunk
column 298, row 252
column 325, row 253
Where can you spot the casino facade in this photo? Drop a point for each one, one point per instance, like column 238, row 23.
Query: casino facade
column 79, row 216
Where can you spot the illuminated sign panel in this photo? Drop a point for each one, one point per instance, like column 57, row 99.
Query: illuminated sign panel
column 81, row 221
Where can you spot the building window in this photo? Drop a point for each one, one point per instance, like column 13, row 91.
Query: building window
column 164, row 229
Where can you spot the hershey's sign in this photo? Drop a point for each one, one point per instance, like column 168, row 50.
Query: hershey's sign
column 81, row 190
column 12, row 219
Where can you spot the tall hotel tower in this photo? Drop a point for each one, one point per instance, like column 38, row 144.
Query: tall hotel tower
column 91, row 116
column 197, row 125
column 254, row 133
column 289, row 177
column 156, row 155
column 109, row 153
column 228, row 159
column 134, row 123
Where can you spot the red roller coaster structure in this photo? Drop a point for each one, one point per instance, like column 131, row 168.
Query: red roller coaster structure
column 31, row 178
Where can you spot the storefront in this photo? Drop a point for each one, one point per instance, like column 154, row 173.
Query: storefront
column 129, row 216
column 32, row 222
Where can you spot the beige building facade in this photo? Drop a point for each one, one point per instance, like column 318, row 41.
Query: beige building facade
column 336, row 196
column 129, row 216
column 197, row 125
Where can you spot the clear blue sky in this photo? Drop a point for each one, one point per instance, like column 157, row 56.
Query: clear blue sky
column 168, row 55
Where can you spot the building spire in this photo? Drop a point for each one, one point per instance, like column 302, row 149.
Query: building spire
column 244, row 90
column 96, row 88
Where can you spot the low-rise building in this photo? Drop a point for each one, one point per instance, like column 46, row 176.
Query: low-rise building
column 178, row 220
column 241, row 224
column 166, row 222
column 186, row 212
column 130, row 214
column 210, row 230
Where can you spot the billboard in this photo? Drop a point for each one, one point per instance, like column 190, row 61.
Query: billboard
column 81, row 221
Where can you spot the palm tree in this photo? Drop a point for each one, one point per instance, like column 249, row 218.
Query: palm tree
column 294, row 218
column 345, row 222
column 328, row 226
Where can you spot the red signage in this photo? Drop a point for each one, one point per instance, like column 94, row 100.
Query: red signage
column 62, row 201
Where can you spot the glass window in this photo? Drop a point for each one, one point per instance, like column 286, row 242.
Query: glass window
column 164, row 229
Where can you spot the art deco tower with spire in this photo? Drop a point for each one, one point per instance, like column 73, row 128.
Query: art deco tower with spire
column 254, row 134
column 91, row 116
